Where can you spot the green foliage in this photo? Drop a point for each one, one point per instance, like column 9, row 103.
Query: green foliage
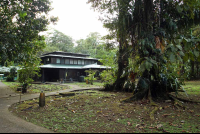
column 90, row 77
column 21, row 22
column 28, row 70
column 153, row 38
column 13, row 71
column 58, row 41
column 11, row 76
column 108, row 77
column 91, row 45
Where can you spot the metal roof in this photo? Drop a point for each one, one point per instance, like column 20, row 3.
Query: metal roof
column 7, row 69
column 54, row 55
column 66, row 53
column 74, row 66
column 61, row 66
column 95, row 66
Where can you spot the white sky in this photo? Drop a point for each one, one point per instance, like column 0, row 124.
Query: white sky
column 76, row 18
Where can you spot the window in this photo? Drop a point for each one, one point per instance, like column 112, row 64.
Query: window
column 71, row 61
column 83, row 62
column 66, row 61
column 79, row 62
column 88, row 62
column 57, row 60
column 62, row 61
column 75, row 61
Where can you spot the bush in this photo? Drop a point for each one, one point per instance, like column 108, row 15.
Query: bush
column 10, row 79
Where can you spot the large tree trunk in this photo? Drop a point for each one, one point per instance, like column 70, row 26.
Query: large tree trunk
column 122, row 55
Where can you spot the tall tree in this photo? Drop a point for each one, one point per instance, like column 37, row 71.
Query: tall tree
column 149, row 35
column 59, row 41
column 89, row 45
column 21, row 21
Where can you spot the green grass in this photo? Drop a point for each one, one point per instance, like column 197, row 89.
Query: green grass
column 37, row 88
column 93, row 111
column 192, row 87
column 83, row 84
column 12, row 85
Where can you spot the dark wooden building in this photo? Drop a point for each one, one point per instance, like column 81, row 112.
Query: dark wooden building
column 64, row 66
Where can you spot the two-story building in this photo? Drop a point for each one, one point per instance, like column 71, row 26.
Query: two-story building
column 64, row 66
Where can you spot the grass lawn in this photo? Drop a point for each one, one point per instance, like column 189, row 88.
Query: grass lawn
column 83, row 84
column 95, row 111
column 37, row 88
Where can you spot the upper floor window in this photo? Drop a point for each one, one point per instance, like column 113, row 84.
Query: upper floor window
column 75, row 61
column 58, row 60
column 62, row 61
column 71, row 61
column 79, row 62
column 66, row 61
column 87, row 62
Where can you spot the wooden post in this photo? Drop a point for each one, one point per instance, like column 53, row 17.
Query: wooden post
column 42, row 99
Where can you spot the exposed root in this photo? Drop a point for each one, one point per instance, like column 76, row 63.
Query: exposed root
column 185, row 100
column 152, row 103
column 177, row 102
column 152, row 113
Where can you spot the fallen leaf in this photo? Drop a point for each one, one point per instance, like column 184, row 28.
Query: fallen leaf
column 191, row 111
column 151, row 127
column 137, row 125
column 141, row 127
column 165, row 115
column 159, row 126
column 129, row 123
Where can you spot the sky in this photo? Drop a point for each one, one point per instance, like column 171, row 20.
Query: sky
column 76, row 18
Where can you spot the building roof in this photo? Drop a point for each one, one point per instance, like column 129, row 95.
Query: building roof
column 95, row 66
column 67, row 53
column 74, row 66
column 62, row 66
column 7, row 69
column 55, row 55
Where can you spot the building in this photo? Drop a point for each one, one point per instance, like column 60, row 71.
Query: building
column 64, row 66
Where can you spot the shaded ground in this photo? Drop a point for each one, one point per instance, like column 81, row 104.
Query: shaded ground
column 96, row 111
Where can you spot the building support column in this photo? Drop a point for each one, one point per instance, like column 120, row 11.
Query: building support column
column 43, row 77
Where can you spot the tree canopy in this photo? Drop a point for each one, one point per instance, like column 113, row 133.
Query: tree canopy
column 153, row 42
column 58, row 41
column 21, row 21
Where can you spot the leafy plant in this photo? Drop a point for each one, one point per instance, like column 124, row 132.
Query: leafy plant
column 90, row 76
column 29, row 70
column 153, row 42
column 107, row 77
column 11, row 76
